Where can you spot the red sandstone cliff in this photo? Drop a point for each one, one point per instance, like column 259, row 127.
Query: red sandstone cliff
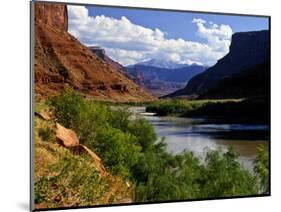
column 62, row 61
column 54, row 15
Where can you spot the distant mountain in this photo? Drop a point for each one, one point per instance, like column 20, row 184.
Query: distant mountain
column 167, row 64
column 160, row 80
column 247, row 51
column 165, row 74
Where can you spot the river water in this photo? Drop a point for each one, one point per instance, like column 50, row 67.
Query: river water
column 198, row 134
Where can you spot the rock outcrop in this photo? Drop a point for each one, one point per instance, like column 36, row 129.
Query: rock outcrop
column 54, row 15
column 66, row 137
column 62, row 61
column 69, row 139
column 247, row 50
column 45, row 114
column 97, row 160
column 100, row 52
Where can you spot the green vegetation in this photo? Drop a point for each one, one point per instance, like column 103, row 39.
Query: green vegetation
column 184, row 107
column 46, row 133
column 64, row 179
column 60, row 185
column 243, row 110
column 224, row 176
column 129, row 149
column 167, row 177
column 262, row 168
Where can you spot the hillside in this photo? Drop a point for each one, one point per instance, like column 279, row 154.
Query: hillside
column 62, row 61
column 252, row 82
column 69, row 174
column 247, row 50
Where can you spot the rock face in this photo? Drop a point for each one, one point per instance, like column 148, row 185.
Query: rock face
column 247, row 50
column 252, row 82
column 97, row 160
column 66, row 136
column 45, row 114
column 62, row 61
column 100, row 52
column 54, row 15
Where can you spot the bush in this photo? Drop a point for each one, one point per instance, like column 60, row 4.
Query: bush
column 119, row 150
column 120, row 118
column 144, row 131
column 68, row 107
column 101, row 129
column 262, row 168
column 168, row 177
column 164, row 177
column 85, row 117
column 223, row 176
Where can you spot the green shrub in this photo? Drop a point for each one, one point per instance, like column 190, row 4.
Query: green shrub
column 120, row 118
column 262, row 168
column 119, row 150
column 165, row 177
column 144, row 131
column 85, row 117
column 94, row 117
column 68, row 107
column 223, row 176
column 100, row 128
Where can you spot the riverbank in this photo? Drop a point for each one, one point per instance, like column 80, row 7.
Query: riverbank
column 253, row 110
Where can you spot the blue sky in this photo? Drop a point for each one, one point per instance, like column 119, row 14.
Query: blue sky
column 179, row 24
column 130, row 36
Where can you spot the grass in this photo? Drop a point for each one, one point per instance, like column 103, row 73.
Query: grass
column 64, row 179
column 45, row 133
column 39, row 106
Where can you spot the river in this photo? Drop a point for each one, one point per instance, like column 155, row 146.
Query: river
column 198, row 134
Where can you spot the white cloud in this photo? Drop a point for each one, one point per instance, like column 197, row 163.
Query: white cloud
column 198, row 21
column 129, row 43
column 218, row 36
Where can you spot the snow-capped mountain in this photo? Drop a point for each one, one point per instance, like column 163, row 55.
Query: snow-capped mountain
column 168, row 64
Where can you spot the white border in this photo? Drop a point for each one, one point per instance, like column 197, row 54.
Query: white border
column 14, row 111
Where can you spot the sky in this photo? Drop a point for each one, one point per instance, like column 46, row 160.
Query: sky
column 131, row 36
